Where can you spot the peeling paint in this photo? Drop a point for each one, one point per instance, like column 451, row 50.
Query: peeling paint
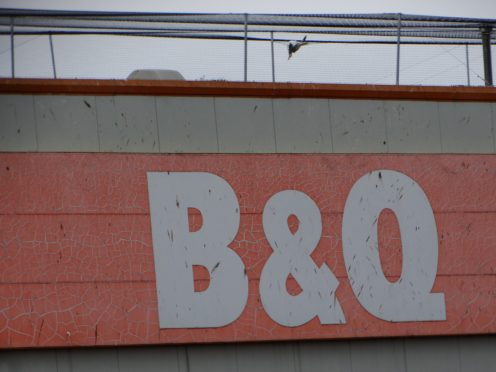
column 57, row 284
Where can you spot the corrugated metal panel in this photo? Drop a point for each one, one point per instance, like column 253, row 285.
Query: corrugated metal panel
column 453, row 354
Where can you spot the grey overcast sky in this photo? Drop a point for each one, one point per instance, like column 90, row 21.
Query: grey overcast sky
column 461, row 8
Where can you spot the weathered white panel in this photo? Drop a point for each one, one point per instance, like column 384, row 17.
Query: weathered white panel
column 302, row 125
column 433, row 355
column 28, row 361
column 151, row 359
column 66, row 123
column 466, row 354
column 127, row 124
column 412, row 126
column 477, row 354
column 466, row 127
column 94, row 360
column 64, row 362
column 186, row 124
column 268, row 357
column 317, row 356
column 17, row 124
column 358, row 126
column 192, row 124
column 377, row 356
column 215, row 358
column 245, row 125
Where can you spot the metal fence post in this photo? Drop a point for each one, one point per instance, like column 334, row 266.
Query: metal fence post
column 398, row 51
column 53, row 56
column 12, row 60
column 468, row 64
column 246, row 47
column 272, row 54
column 486, row 52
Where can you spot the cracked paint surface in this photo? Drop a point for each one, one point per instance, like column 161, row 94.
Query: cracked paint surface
column 76, row 257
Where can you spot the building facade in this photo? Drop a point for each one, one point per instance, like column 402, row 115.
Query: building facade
column 79, row 264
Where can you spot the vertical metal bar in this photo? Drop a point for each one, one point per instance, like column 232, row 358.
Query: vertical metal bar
column 468, row 64
column 272, row 54
column 486, row 52
column 53, row 56
column 246, row 47
column 12, row 61
column 398, row 51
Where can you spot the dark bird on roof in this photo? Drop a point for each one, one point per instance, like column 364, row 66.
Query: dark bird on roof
column 293, row 46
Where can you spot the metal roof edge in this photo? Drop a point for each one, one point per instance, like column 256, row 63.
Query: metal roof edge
column 242, row 89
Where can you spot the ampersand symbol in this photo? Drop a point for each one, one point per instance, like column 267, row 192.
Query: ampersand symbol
column 291, row 255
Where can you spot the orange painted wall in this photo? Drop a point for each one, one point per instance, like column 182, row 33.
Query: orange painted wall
column 76, row 258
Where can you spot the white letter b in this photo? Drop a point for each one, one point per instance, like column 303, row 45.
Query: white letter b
column 176, row 250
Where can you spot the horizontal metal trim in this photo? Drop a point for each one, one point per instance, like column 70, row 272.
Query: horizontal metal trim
column 242, row 89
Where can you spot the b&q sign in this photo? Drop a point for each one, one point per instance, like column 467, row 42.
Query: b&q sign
column 105, row 249
column 176, row 250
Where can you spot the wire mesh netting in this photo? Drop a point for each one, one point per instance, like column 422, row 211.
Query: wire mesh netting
column 355, row 49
